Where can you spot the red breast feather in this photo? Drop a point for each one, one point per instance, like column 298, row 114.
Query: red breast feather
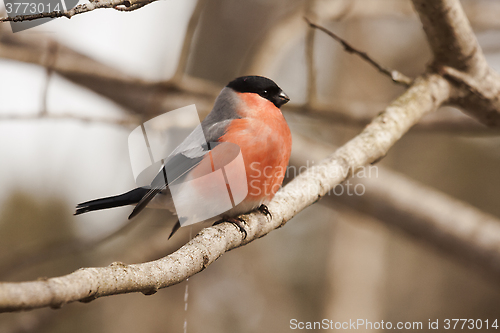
column 265, row 142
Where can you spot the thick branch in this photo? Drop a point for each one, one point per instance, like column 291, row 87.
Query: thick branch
column 455, row 227
column 478, row 96
column 450, row 36
column 458, row 57
column 424, row 96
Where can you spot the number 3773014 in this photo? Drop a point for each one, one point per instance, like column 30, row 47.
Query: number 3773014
column 23, row 8
column 460, row 324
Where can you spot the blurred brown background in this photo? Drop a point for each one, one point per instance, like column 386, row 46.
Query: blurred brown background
column 330, row 261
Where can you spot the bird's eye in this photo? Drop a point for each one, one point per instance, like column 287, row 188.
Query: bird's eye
column 265, row 93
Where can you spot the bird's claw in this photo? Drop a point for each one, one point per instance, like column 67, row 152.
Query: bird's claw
column 264, row 210
column 238, row 222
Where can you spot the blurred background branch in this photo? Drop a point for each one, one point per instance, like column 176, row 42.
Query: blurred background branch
column 463, row 232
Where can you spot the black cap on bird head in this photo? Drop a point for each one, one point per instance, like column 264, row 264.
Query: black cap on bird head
column 263, row 86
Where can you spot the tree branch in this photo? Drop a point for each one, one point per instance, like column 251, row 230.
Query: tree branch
column 395, row 76
column 86, row 284
column 450, row 225
column 450, row 36
column 459, row 58
column 123, row 5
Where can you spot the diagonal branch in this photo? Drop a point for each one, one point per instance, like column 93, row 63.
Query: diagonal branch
column 450, row 225
column 424, row 96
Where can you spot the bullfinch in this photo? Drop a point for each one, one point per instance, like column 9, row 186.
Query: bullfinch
column 247, row 114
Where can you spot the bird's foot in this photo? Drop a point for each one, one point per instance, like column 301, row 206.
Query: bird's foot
column 264, row 210
column 238, row 222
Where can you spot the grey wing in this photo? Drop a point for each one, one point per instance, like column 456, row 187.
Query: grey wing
column 183, row 159
column 193, row 145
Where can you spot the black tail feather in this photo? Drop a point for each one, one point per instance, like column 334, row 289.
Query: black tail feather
column 142, row 203
column 131, row 197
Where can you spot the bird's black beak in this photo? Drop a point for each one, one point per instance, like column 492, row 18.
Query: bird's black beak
column 281, row 99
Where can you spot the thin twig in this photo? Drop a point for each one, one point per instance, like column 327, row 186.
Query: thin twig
column 395, row 76
column 83, row 8
column 130, row 8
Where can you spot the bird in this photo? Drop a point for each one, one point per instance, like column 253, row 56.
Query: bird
column 245, row 113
